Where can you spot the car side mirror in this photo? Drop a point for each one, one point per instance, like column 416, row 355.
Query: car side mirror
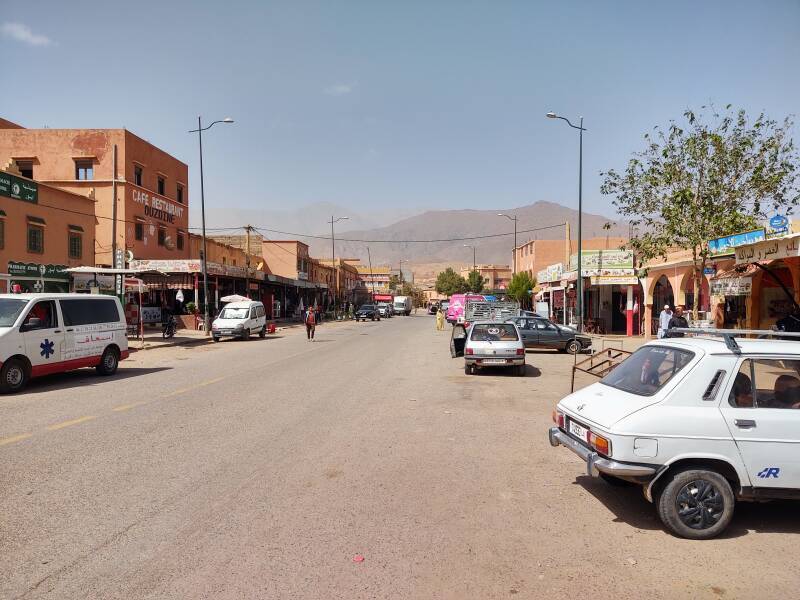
column 33, row 323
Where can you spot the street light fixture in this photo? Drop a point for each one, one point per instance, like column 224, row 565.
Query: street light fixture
column 333, row 261
column 514, row 254
column 474, row 267
column 580, row 128
column 199, row 131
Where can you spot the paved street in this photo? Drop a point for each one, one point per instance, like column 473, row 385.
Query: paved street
column 260, row 469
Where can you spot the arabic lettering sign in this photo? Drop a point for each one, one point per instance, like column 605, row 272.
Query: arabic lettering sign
column 614, row 280
column 603, row 262
column 38, row 271
column 167, row 266
column 726, row 245
column 151, row 314
column 778, row 225
column 732, row 286
column 768, row 250
column 17, row 188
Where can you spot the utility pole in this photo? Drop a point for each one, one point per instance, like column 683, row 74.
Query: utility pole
column 333, row 262
column 371, row 276
column 514, row 255
column 247, row 229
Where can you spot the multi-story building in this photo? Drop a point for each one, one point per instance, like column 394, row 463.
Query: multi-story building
column 374, row 279
column 495, row 277
column 287, row 258
column 150, row 217
column 43, row 231
column 537, row 255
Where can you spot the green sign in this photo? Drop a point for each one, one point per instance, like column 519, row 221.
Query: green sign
column 17, row 188
column 38, row 271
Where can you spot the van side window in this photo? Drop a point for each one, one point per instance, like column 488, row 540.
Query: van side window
column 763, row 383
column 45, row 311
column 89, row 312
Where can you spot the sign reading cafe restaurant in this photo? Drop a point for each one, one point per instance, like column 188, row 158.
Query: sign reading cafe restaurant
column 156, row 206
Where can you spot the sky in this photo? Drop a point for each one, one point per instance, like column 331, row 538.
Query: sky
column 394, row 106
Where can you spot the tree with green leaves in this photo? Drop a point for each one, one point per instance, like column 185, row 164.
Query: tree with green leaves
column 710, row 176
column 394, row 281
column 520, row 288
column 475, row 282
column 448, row 282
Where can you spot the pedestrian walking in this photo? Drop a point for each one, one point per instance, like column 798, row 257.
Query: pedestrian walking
column 439, row 320
column 677, row 320
column 311, row 324
column 663, row 321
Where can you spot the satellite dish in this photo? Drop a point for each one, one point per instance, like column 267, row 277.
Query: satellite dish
column 168, row 243
column 129, row 256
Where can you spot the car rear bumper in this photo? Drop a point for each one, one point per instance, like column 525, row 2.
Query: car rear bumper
column 226, row 333
column 596, row 464
column 478, row 361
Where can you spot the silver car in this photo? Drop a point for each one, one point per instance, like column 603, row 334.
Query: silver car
column 491, row 344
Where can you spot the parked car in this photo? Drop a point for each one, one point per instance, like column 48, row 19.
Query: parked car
column 698, row 422
column 402, row 305
column 240, row 319
column 538, row 332
column 42, row 334
column 432, row 308
column 384, row 309
column 367, row 312
column 493, row 344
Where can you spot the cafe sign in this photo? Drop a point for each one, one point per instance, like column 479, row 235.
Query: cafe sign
column 37, row 271
column 17, row 188
column 156, row 206
column 768, row 250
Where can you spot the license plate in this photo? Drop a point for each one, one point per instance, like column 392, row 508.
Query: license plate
column 494, row 361
column 579, row 431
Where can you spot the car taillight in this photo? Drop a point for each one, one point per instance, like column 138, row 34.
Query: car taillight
column 599, row 443
column 520, row 351
column 468, row 351
column 558, row 418
column 466, row 324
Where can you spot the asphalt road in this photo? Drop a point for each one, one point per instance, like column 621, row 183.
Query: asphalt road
column 260, row 469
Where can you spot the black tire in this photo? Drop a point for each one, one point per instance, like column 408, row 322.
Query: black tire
column 521, row 371
column 14, row 376
column 573, row 346
column 246, row 334
column 468, row 370
column 109, row 362
column 452, row 349
column 616, row 481
column 215, row 338
column 696, row 504
column 263, row 333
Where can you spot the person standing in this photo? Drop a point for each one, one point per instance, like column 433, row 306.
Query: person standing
column 440, row 320
column 663, row 321
column 677, row 320
column 311, row 324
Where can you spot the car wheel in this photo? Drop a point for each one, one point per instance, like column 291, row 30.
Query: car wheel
column 696, row 504
column 215, row 338
column 108, row 362
column 13, row 376
column 263, row 332
column 468, row 370
column 573, row 346
column 521, row 371
column 616, row 481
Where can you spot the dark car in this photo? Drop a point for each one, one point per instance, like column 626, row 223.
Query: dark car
column 433, row 308
column 367, row 312
column 538, row 332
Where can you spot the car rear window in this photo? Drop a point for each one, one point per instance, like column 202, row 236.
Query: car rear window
column 494, row 332
column 648, row 369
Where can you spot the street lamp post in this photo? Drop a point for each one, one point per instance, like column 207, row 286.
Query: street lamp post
column 199, row 131
column 552, row 115
column 333, row 262
column 474, row 266
column 514, row 255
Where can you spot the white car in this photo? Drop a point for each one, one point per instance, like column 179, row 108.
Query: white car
column 698, row 422
column 493, row 344
column 51, row 333
column 240, row 319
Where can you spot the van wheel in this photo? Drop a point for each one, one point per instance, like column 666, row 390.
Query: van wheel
column 13, row 376
column 263, row 332
column 573, row 346
column 696, row 504
column 246, row 334
column 108, row 362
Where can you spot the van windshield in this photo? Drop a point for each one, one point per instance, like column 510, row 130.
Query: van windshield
column 234, row 313
column 9, row 311
column 648, row 369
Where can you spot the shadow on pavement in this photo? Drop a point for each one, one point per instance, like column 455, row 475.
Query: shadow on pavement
column 85, row 377
column 530, row 371
column 629, row 506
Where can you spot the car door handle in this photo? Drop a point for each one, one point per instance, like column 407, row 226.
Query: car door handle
column 745, row 423
column 68, row 330
column 56, row 331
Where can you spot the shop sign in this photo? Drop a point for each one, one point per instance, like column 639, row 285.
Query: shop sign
column 732, row 286
column 726, row 245
column 83, row 282
column 603, row 262
column 710, row 270
column 778, row 225
column 38, row 271
column 151, row 314
column 17, row 188
column 550, row 274
column 768, row 250
column 167, row 266
column 614, row 280
column 302, row 275
column 157, row 207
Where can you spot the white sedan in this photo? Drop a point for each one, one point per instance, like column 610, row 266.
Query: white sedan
column 491, row 344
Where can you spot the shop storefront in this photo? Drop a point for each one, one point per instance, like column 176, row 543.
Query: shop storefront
column 731, row 291
column 38, row 278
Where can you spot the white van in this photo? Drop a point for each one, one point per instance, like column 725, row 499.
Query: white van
column 402, row 305
column 51, row 333
column 240, row 319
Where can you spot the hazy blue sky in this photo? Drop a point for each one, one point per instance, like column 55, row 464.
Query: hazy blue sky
column 372, row 103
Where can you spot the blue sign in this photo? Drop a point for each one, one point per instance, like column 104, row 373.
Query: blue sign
column 725, row 245
column 778, row 225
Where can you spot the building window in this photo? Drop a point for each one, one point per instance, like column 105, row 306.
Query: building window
column 137, row 175
column 179, row 241
column 25, row 168
column 162, row 184
column 180, row 193
column 84, row 170
column 35, row 238
column 162, row 236
column 75, row 244
column 139, row 231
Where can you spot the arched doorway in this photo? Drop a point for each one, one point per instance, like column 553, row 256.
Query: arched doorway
column 662, row 294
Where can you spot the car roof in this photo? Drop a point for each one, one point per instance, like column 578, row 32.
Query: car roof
column 241, row 304
column 716, row 345
column 47, row 296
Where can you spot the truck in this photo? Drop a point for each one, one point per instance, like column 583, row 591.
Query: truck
column 402, row 305
column 489, row 310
